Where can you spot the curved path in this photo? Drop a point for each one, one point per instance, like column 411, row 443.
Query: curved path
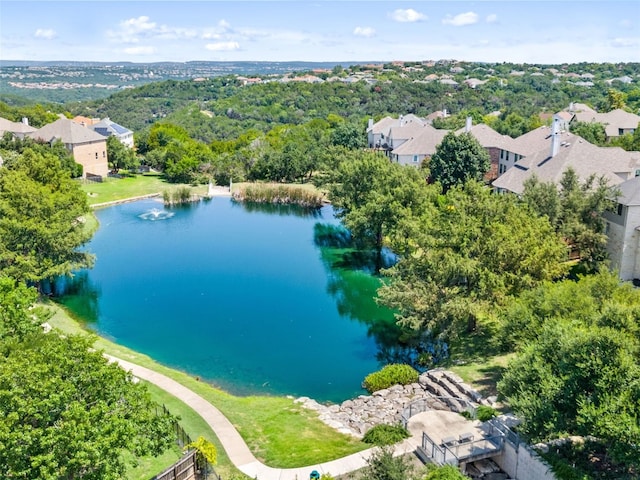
column 237, row 449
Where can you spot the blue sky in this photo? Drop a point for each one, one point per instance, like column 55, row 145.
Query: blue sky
column 542, row 31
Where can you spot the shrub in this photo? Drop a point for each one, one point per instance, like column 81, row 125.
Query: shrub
column 484, row 413
column 385, row 434
column 394, row 374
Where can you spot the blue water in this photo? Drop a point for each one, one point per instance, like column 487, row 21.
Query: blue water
column 241, row 297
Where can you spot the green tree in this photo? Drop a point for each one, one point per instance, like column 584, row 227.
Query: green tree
column 349, row 135
column 382, row 465
column 575, row 210
column 468, row 256
column 41, row 212
column 577, row 380
column 120, row 156
column 376, row 199
column 457, row 159
column 446, row 472
column 592, row 132
column 615, row 99
column 65, row 412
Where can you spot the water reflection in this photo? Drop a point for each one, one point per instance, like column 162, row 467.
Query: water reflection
column 79, row 294
column 353, row 284
column 282, row 210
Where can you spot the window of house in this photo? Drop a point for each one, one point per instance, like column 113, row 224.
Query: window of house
column 621, row 131
column 619, row 210
column 104, row 154
column 415, row 158
column 96, row 155
column 637, row 173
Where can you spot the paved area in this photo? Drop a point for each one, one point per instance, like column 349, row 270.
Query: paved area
column 237, row 449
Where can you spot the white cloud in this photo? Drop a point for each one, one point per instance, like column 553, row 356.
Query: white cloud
column 140, row 50
column 223, row 46
column 408, row 15
column 625, row 42
column 492, row 18
column 364, row 32
column 46, row 33
column 467, row 18
column 133, row 30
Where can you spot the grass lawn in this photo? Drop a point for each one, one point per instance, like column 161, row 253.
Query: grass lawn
column 278, row 431
column 484, row 373
column 112, row 189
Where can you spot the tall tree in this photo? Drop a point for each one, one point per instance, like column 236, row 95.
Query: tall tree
column 475, row 251
column 457, row 159
column 120, row 156
column 41, row 213
column 377, row 199
column 575, row 210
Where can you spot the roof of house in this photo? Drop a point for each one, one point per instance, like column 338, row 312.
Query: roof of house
column 383, row 125
column 106, row 127
column 67, row 131
column 85, row 121
column 612, row 120
column 423, row 143
column 406, row 131
column 488, row 137
column 630, row 192
column 14, row 127
column 580, row 107
column 586, row 159
column 534, row 141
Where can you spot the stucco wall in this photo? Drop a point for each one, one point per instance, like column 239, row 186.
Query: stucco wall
column 622, row 244
column 523, row 464
column 93, row 157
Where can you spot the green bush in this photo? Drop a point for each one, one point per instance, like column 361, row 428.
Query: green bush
column 384, row 434
column 484, row 413
column 394, row 374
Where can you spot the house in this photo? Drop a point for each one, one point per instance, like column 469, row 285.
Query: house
column 415, row 149
column 107, row 128
column 528, row 144
column 399, row 134
column 378, row 132
column 89, row 148
column 623, row 231
column 493, row 142
column 616, row 122
column 563, row 151
column 85, row 121
column 17, row 129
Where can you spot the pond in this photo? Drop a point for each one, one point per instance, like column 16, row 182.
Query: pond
column 241, row 296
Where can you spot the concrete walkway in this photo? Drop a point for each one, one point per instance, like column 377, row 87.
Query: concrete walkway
column 237, row 449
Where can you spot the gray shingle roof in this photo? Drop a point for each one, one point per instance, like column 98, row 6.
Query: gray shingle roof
column 534, row 141
column 67, row 131
column 612, row 120
column 613, row 163
column 424, row 143
column 488, row 137
column 630, row 192
column 14, row 127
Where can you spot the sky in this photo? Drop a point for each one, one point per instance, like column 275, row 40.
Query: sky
column 542, row 31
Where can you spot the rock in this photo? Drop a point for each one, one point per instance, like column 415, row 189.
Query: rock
column 541, row 447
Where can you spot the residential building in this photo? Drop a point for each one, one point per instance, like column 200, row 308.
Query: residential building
column 89, row 148
column 623, row 231
column 17, row 129
column 107, row 128
column 616, row 122
column 498, row 146
column 415, row 149
column 563, row 151
column 378, row 133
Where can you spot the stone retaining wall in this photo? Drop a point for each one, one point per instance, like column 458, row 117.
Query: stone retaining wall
column 440, row 390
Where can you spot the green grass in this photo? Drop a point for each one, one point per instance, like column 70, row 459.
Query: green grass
column 113, row 189
column 483, row 374
column 278, row 431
